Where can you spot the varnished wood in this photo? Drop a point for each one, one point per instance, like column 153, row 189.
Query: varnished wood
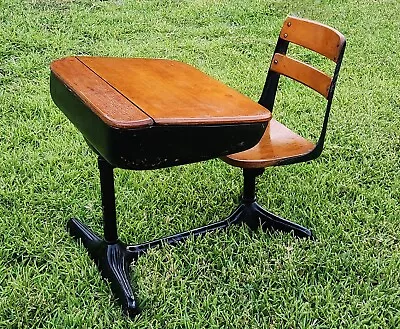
column 110, row 106
column 278, row 143
column 174, row 93
column 313, row 35
column 301, row 72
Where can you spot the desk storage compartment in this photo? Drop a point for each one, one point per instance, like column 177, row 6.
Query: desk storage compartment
column 154, row 146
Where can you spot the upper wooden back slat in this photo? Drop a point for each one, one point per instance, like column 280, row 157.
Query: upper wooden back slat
column 314, row 36
column 302, row 72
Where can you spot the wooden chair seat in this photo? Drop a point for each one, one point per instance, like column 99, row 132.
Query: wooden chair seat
column 277, row 144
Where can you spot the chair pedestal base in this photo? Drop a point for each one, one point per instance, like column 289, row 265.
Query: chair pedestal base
column 257, row 217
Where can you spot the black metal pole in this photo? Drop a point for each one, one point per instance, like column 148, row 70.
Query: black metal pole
column 249, row 184
column 108, row 201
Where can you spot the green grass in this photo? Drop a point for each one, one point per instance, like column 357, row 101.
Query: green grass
column 348, row 278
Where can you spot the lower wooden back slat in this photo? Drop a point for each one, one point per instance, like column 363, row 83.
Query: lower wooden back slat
column 301, row 72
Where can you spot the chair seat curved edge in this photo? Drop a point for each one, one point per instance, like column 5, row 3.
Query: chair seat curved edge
column 278, row 144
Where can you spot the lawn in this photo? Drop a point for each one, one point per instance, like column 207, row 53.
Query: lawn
column 347, row 278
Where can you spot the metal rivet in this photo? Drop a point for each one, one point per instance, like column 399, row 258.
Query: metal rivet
column 289, row 24
column 275, row 61
column 285, row 35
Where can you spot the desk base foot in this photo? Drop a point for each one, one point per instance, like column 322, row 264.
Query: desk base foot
column 113, row 262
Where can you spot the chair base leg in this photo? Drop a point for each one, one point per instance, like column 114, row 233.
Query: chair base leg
column 112, row 260
column 257, row 217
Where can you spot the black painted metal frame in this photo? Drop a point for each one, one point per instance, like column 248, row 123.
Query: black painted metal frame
column 113, row 257
column 268, row 95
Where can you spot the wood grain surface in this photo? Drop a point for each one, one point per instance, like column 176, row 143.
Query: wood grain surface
column 277, row 143
column 301, row 72
column 112, row 107
column 313, row 35
column 174, row 93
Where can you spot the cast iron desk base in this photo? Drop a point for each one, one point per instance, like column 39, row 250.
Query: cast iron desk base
column 113, row 257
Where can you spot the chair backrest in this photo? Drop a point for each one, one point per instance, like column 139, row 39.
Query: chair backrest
column 319, row 38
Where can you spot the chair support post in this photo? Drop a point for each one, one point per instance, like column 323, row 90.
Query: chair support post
column 108, row 201
column 250, row 212
column 249, row 184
